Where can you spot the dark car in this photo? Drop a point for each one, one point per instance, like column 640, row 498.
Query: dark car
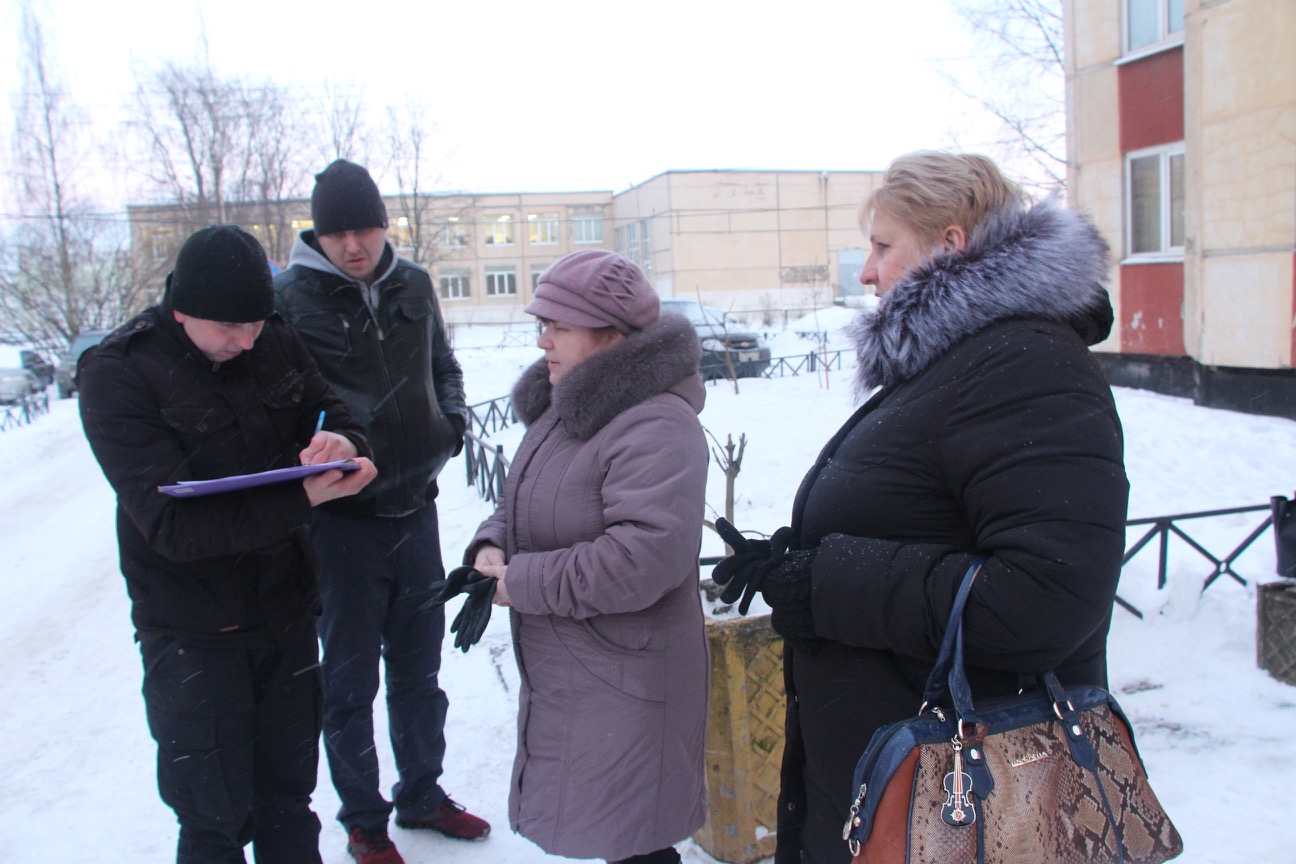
column 65, row 374
column 20, row 357
column 728, row 351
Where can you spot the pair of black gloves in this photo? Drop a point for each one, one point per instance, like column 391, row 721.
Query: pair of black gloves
column 780, row 574
column 470, row 623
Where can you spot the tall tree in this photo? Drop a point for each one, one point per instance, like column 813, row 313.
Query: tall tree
column 1020, row 78
column 63, row 268
column 409, row 141
column 219, row 150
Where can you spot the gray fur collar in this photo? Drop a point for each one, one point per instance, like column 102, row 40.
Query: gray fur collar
column 643, row 364
column 1046, row 262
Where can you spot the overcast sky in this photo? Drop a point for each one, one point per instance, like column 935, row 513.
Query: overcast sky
column 564, row 95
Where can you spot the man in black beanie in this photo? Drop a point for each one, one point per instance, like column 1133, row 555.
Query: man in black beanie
column 211, row 383
column 372, row 322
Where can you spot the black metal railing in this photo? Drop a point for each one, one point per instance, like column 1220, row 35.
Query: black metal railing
column 486, row 418
column 1162, row 527
column 24, row 411
column 486, row 467
column 798, row 364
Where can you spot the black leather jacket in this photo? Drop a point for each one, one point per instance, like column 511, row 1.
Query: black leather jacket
column 392, row 365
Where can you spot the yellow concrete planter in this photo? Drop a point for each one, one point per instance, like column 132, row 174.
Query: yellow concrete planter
column 744, row 740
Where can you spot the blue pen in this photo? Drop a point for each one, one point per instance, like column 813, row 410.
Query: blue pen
column 319, row 424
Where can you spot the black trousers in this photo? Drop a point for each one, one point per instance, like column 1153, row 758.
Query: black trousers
column 237, row 731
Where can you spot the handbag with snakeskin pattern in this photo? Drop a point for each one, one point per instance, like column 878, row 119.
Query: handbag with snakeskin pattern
column 1048, row 776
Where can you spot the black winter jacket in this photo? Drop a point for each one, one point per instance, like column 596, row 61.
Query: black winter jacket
column 391, row 364
column 227, row 567
column 994, row 432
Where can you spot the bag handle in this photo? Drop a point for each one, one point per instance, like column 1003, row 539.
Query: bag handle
column 941, row 677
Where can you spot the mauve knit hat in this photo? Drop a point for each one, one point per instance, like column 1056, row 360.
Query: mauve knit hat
column 221, row 274
column 596, row 288
column 346, row 198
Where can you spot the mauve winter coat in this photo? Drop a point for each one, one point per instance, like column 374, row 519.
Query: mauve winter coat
column 601, row 523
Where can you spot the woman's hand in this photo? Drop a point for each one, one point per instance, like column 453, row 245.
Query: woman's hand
column 489, row 561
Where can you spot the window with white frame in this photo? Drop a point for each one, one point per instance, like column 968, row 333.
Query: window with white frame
column 543, row 229
column 452, row 233
column 1154, row 201
column 587, row 227
column 536, row 270
column 499, row 230
column 501, row 281
column 1149, row 22
column 454, row 285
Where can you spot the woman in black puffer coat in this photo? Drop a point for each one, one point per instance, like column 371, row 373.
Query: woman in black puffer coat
column 990, row 430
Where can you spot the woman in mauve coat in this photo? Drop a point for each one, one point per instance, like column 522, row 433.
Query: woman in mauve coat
column 990, row 430
column 595, row 546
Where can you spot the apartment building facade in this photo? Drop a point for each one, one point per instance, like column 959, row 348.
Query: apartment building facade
column 1182, row 138
column 742, row 240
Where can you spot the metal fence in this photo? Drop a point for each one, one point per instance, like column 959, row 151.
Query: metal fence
column 797, row 364
column 24, row 411
column 487, row 468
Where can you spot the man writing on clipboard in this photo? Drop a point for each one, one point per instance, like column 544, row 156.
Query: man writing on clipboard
column 223, row 587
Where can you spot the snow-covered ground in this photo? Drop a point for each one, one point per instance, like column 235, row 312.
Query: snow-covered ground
column 76, row 764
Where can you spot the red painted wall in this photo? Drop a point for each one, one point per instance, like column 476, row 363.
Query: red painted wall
column 1152, row 309
column 1151, row 100
column 1152, row 113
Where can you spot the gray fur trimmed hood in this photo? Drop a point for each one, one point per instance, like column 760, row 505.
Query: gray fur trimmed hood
column 650, row 361
column 1044, row 262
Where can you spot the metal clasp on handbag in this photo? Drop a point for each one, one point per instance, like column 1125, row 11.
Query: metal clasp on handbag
column 853, row 820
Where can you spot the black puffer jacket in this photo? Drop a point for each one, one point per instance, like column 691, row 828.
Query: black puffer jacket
column 232, row 566
column 392, row 364
column 994, row 433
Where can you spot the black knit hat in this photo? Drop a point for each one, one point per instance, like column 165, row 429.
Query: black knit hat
column 221, row 274
column 346, row 198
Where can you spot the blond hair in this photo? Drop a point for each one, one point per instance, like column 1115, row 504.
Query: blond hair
column 929, row 190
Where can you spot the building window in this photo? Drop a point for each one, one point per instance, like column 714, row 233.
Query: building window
column 645, row 245
column 587, row 228
column 536, row 270
column 499, row 230
column 543, row 229
column 454, row 285
column 452, row 233
column 501, row 281
column 401, row 234
column 632, row 242
column 1154, row 180
column 1149, row 22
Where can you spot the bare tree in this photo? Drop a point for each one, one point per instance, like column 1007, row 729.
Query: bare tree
column 219, row 150
column 343, row 132
column 273, row 172
column 409, row 140
column 1021, row 80
column 63, row 269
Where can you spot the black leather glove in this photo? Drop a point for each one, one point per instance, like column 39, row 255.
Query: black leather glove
column 470, row 623
column 741, row 574
column 786, row 586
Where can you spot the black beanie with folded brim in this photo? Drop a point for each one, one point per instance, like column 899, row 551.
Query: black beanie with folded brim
column 221, row 274
column 346, row 198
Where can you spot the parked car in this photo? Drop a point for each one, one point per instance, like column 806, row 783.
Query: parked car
column 728, row 351
column 17, row 383
column 65, row 374
column 27, row 357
